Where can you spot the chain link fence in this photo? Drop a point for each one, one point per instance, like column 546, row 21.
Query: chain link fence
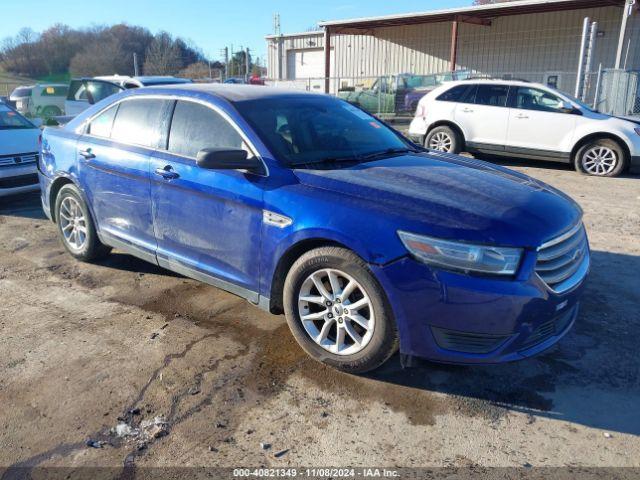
column 619, row 93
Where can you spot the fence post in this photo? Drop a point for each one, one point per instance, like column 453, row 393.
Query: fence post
column 583, row 44
column 596, row 96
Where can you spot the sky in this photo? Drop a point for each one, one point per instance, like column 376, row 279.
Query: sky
column 211, row 24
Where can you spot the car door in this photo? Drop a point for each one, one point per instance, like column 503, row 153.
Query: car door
column 483, row 116
column 113, row 159
column 538, row 122
column 207, row 222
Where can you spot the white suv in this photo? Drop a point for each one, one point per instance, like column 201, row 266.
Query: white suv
column 529, row 120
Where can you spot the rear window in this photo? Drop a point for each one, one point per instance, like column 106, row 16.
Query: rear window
column 460, row 94
column 80, row 90
column 21, row 92
column 138, row 121
column 492, row 95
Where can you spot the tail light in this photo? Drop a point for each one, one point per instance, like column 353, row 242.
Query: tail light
column 421, row 111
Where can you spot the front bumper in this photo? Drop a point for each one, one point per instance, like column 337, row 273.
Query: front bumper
column 454, row 318
column 18, row 179
column 634, row 166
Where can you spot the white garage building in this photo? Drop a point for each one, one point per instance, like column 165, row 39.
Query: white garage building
column 540, row 40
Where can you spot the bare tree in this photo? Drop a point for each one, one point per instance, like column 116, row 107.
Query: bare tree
column 101, row 58
column 162, row 56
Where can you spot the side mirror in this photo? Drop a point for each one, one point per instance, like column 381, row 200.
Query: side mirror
column 569, row 108
column 226, row 159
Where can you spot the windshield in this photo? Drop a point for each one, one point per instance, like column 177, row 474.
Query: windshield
column 21, row 92
column 10, row 119
column 314, row 129
column 580, row 103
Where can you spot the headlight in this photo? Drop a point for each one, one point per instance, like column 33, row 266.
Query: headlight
column 462, row 256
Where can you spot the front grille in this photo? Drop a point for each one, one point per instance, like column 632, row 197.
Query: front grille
column 18, row 159
column 549, row 329
column 19, row 181
column 561, row 258
column 467, row 342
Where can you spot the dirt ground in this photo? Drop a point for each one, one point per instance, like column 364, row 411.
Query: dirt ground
column 88, row 346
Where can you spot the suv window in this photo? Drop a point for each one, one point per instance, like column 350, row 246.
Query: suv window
column 102, row 124
column 195, row 126
column 80, row 90
column 535, row 99
column 492, row 95
column 460, row 94
column 54, row 91
column 138, row 121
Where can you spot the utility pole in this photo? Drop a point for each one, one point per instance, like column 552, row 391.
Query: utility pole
column 135, row 64
column 224, row 53
column 247, row 64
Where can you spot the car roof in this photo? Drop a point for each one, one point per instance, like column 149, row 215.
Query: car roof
column 229, row 91
column 519, row 83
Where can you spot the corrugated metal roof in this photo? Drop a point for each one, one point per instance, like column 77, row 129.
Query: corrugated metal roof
column 313, row 33
column 479, row 11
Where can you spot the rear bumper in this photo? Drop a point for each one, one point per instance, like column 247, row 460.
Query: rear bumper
column 455, row 318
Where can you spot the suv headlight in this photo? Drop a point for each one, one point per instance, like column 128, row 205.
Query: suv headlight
column 462, row 256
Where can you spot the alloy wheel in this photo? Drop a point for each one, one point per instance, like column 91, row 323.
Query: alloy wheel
column 440, row 142
column 336, row 312
column 599, row 160
column 73, row 223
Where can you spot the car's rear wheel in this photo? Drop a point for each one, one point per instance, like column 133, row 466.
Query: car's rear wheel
column 443, row 139
column 601, row 157
column 338, row 312
column 51, row 111
column 75, row 226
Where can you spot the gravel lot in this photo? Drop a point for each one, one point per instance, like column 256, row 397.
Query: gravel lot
column 83, row 345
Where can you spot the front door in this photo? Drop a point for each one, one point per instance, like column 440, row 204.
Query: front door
column 538, row 124
column 207, row 222
column 114, row 156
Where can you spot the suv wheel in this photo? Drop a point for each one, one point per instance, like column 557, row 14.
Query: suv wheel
column 338, row 312
column 75, row 226
column 443, row 139
column 602, row 157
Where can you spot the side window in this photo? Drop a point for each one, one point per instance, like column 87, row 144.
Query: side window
column 460, row 94
column 195, row 126
column 101, row 125
column 492, row 95
column 535, row 99
column 139, row 122
column 101, row 90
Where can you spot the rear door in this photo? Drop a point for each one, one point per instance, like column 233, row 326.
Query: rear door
column 207, row 222
column 113, row 157
column 540, row 111
column 484, row 116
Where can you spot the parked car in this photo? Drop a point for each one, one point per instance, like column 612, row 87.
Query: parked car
column 395, row 93
column 18, row 153
column 19, row 97
column 84, row 92
column 43, row 100
column 527, row 120
column 304, row 204
column 235, row 80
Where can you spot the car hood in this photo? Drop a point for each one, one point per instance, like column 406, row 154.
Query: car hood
column 19, row 141
column 453, row 197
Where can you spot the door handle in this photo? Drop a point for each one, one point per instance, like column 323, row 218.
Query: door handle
column 87, row 154
column 167, row 172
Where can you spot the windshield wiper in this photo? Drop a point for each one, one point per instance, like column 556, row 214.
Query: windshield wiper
column 387, row 153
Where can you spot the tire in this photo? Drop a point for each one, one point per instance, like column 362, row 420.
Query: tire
column 378, row 342
column 72, row 215
column 443, row 139
column 601, row 158
column 51, row 111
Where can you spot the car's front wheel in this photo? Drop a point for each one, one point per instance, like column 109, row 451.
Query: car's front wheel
column 338, row 312
column 443, row 139
column 75, row 225
column 601, row 157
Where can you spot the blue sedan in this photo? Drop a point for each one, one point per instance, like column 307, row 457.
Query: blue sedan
column 306, row 205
